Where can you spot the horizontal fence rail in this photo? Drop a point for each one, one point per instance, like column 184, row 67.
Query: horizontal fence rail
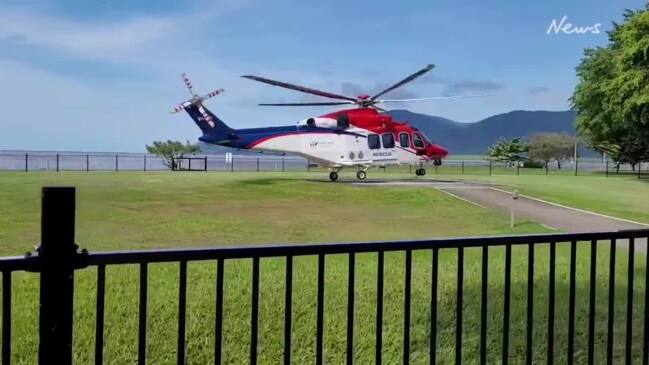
column 58, row 258
column 42, row 161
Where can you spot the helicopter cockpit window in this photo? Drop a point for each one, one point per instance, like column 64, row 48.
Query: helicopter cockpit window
column 373, row 141
column 417, row 141
column 388, row 140
column 404, row 141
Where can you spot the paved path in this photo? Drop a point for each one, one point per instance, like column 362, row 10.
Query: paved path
column 554, row 216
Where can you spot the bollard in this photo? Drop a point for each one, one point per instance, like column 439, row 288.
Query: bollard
column 513, row 209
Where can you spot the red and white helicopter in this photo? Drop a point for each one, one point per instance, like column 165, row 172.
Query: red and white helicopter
column 360, row 137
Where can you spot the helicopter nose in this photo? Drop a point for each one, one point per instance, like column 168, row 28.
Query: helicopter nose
column 438, row 151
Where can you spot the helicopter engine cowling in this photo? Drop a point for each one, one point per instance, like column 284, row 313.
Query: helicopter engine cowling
column 319, row 122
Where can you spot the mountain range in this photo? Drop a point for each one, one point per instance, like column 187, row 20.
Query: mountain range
column 475, row 138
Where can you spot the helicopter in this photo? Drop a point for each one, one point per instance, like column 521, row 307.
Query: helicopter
column 361, row 137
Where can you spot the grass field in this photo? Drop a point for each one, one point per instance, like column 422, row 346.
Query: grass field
column 145, row 210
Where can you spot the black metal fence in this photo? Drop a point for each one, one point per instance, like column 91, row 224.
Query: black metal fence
column 57, row 259
column 41, row 161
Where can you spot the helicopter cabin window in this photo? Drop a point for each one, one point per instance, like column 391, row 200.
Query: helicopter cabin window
column 417, row 141
column 388, row 140
column 404, row 141
column 373, row 141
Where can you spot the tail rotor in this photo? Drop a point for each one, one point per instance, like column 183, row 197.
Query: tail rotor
column 197, row 101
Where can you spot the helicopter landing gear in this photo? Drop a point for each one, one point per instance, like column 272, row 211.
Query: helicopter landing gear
column 437, row 162
column 361, row 175
column 420, row 171
column 333, row 176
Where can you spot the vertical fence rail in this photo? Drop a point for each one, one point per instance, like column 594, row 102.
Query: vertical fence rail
column 350, row 308
column 645, row 348
column 484, row 304
column 182, row 309
column 254, row 315
column 571, row 302
column 508, row 274
column 379, row 308
column 433, row 307
column 591, row 302
column 458, row 305
column 6, row 317
column 141, row 348
column 288, row 304
column 218, row 325
column 320, row 310
column 551, row 293
column 99, row 320
column 629, row 303
column 530, row 303
column 611, row 304
column 406, row 308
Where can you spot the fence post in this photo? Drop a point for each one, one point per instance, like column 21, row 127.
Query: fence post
column 282, row 163
column 606, row 168
column 87, row 162
column 257, row 164
column 57, row 162
column 144, row 167
column 190, row 164
column 232, row 164
column 26, row 162
column 489, row 167
column 116, row 162
column 576, row 166
column 639, row 168
column 308, row 166
column 173, row 164
column 462, row 167
column 57, row 257
column 518, row 168
column 205, row 164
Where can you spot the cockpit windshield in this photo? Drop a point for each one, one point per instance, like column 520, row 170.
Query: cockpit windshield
column 417, row 140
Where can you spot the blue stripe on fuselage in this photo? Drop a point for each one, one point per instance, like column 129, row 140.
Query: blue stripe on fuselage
column 245, row 138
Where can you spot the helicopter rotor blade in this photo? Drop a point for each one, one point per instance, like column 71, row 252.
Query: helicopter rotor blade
column 188, row 84
column 298, row 88
column 432, row 98
column 308, row 104
column 405, row 81
column 212, row 94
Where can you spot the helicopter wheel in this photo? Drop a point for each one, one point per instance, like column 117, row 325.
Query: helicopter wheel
column 361, row 175
column 420, row 172
column 333, row 176
column 437, row 162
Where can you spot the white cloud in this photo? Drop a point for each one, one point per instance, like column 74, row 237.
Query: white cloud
column 114, row 41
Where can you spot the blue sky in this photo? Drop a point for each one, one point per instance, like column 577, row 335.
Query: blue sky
column 101, row 75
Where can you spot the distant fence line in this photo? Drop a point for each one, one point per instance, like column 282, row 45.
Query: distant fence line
column 35, row 161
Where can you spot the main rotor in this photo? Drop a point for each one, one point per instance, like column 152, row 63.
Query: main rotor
column 362, row 101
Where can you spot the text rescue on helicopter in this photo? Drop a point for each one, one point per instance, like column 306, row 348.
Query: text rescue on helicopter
column 360, row 137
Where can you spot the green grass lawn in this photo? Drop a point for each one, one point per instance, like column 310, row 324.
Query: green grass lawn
column 146, row 210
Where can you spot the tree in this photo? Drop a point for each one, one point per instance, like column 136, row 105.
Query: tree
column 612, row 96
column 508, row 150
column 171, row 150
column 548, row 147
